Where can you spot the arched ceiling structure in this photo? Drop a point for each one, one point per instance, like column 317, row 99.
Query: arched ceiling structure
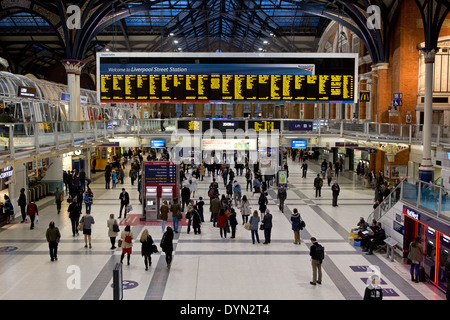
column 34, row 34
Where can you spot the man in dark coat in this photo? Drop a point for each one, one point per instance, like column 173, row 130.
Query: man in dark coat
column 124, row 202
column 267, row 222
column 335, row 190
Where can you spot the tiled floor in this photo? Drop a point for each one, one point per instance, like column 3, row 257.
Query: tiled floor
column 206, row 267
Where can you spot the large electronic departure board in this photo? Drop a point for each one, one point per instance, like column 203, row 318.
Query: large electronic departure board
column 201, row 77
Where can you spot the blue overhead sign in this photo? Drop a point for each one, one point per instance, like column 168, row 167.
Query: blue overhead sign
column 299, row 144
column 158, row 143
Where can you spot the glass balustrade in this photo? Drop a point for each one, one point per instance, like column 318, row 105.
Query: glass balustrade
column 48, row 134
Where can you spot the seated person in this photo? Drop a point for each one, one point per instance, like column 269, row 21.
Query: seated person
column 378, row 239
column 367, row 235
column 360, row 226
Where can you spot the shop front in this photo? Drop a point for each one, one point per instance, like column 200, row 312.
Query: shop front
column 435, row 238
column 6, row 176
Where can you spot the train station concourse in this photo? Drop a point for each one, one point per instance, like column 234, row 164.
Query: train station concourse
column 225, row 158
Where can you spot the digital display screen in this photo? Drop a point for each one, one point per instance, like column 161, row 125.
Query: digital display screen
column 26, row 92
column 132, row 77
column 158, row 144
column 160, row 172
column 298, row 144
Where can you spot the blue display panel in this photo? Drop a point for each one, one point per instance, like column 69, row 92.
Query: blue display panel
column 299, row 144
column 158, row 144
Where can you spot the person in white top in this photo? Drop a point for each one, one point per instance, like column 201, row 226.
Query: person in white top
column 193, row 185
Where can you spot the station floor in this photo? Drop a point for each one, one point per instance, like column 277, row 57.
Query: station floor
column 206, row 267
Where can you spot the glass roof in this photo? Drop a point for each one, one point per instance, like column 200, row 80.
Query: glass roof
column 23, row 19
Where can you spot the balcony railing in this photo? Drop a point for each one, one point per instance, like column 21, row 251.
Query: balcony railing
column 434, row 199
column 17, row 136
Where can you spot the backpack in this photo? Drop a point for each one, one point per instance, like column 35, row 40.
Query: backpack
column 31, row 209
column 211, row 192
column 86, row 198
column 320, row 183
column 320, row 253
column 61, row 197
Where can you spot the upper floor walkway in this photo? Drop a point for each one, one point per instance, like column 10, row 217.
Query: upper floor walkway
column 18, row 140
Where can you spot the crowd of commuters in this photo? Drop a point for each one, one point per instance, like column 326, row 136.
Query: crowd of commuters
column 226, row 198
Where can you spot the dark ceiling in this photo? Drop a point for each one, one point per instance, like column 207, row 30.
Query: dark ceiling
column 35, row 35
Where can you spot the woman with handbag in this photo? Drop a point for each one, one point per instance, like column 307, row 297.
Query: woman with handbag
column 295, row 220
column 245, row 209
column 254, row 222
column 148, row 247
column 127, row 243
column 113, row 230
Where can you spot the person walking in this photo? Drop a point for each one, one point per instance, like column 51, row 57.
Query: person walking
column 185, row 197
column 114, row 178
column 281, row 196
column 237, row 193
column 189, row 209
column 53, row 235
column 59, row 198
column 233, row 222
column 215, row 207
column 329, row 175
column 88, row 199
column 163, row 214
column 304, row 169
column 262, row 202
column 267, row 223
column 222, row 223
column 245, row 209
column 316, row 251
column 87, row 221
column 147, row 246
column 22, row 202
column 127, row 243
column 335, row 189
column 295, row 220
column 415, row 254
column 249, row 178
column 193, row 185
column 113, row 230
column 196, row 219
column 254, row 225
column 107, row 177
column 74, row 215
column 200, row 203
column 177, row 215
column 201, row 171
column 124, row 202
column 167, row 245
column 318, row 183
column 9, row 209
column 32, row 212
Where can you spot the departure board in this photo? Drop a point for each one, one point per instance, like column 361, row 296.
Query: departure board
column 131, row 77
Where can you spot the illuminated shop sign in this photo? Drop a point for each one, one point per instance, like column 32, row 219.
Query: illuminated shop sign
column 411, row 213
column 6, row 172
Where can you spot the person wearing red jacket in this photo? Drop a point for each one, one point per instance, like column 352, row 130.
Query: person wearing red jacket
column 222, row 223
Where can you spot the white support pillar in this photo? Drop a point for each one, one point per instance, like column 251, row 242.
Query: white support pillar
column 426, row 169
column 73, row 70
